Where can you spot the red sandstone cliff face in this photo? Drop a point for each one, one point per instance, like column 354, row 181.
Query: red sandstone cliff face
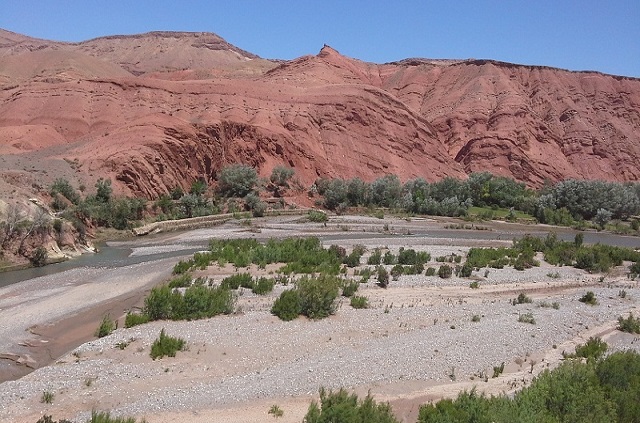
column 79, row 111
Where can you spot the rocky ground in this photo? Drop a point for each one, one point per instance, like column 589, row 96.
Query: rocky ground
column 416, row 343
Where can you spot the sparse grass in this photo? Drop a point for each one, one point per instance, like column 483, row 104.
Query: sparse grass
column 105, row 417
column 166, row 345
column 276, row 411
column 497, row 370
column 47, row 397
column 474, row 285
column 553, row 275
column 544, row 304
column 107, row 326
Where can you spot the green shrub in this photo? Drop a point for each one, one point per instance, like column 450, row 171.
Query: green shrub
column 237, row 180
column 474, row 285
column 465, row 270
column 349, row 288
column 383, row 277
column 521, row 299
column 263, row 286
column 276, row 411
column 237, row 280
column 445, row 271
column 431, row 271
column 397, row 271
column 527, row 318
column 589, row 298
column 630, row 324
column 49, row 419
column 375, row 258
column 105, row 328
column 47, row 397
column 287, row 306
column 594, row 349
column 341, row 407
column 182, row 267
column 135, row 319
column 389, row 258
column 318, row 295
column 497, row 370
column 358, row 301
column 63, row 187
column 181, row 281
column 317, row 216
column 166, row 345
column 353, row 259
column 39, row 257
column 158, row 304
column 475, row 318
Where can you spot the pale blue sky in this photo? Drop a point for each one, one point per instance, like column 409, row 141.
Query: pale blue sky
column 600, row 35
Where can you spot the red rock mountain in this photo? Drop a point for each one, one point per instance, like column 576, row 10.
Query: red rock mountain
column 156, row 110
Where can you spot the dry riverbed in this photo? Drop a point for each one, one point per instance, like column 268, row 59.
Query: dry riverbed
column 416, row 343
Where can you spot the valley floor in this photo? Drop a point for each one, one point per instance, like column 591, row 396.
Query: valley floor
column 416, row 343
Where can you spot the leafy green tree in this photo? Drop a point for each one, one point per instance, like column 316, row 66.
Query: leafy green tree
column 281, row 175
column 237, row 180
column 63, row 187
column 103, row 190
column 198, row 187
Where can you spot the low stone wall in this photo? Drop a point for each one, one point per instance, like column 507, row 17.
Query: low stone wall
column 206, row 221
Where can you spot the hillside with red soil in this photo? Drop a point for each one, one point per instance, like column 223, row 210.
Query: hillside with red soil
column 161, row 109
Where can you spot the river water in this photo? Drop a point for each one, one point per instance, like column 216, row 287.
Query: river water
column 119, row 254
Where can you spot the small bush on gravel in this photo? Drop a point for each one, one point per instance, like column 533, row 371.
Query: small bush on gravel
column 383, row 277
column 166, row 345
column 106, row 327
column 527, row 318
column 358, row 301
column 474, row 285
column 445, row 271
column 431, row 271
column 589, row 298
column 522, row 299
column 630, row 324
column 341, row 407
column 287, row 306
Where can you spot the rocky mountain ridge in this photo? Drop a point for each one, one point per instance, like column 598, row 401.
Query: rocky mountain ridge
column 156, row 110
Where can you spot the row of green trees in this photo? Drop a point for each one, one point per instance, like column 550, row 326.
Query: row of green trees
column 564, row 203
